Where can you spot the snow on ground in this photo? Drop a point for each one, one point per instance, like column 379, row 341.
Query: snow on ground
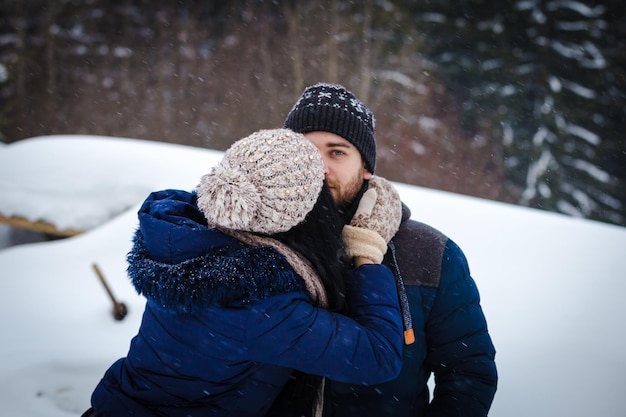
column 552, row 287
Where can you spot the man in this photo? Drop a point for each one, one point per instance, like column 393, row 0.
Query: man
column 446, row 331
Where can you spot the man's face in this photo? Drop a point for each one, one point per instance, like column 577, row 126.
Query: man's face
column 344, row 167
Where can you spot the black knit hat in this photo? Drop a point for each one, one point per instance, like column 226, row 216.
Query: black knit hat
column 332, row 108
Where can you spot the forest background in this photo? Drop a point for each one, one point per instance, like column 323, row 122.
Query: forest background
column 521, row 101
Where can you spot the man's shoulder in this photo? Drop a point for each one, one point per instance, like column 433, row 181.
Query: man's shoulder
column 415, row 230
column 419, row 250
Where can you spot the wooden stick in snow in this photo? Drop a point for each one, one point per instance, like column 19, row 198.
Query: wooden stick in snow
column 119, row 309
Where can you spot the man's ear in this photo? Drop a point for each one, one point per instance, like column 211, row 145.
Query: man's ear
column 367, row 175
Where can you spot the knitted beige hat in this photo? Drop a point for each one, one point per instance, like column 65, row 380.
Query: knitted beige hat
column 265, row 183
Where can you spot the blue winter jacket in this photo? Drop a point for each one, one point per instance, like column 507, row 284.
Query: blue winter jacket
column 451, row 337
column 225, row 323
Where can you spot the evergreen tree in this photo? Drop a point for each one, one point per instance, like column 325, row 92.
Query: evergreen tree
column 536, row 75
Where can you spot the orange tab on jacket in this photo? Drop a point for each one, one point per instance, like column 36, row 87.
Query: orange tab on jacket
column 409, row 336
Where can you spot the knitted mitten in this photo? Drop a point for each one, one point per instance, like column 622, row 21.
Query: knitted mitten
column 375, row 222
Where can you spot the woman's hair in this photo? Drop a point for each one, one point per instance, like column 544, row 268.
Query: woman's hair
column 318, row 239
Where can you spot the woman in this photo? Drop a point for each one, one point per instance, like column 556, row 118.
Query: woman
column 232, row 309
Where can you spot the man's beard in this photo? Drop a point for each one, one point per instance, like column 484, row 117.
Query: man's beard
column 344, row 196
column 348, row 208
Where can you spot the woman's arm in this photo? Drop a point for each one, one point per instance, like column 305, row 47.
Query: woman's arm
column 364, row 347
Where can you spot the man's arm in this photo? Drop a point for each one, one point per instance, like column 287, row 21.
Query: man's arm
column 460, row 351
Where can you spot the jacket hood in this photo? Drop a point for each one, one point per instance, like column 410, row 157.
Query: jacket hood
column 180, row 264
column 406, row 213
column 173, row 228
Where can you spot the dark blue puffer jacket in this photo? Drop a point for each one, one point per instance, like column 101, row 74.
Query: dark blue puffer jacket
column 225, row 323
column 452, row 341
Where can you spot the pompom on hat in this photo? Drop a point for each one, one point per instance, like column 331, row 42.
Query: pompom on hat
column 265, row 183
column 332, row 108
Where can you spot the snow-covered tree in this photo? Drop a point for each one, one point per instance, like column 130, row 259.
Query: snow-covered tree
column 538, row 75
